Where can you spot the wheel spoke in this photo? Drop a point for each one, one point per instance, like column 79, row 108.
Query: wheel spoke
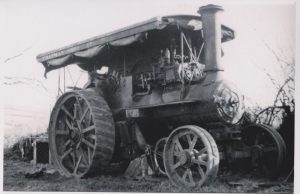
column 91, row 119
column 84, row 156
column 61, row 132
column 88, row 129
column 74, row 158
column 190, row 175
column 202, row 151
column 83, row 115
column 79, row 125
column 67, row 112
column 69, row 124
column 66, row 153
column 176, row 165
column 67, row 143
column 77, row 164
column 177, row 143
column 78, row 145
column 87, row 143
column 192, row 143
column 75, row 111
column 200, row 170
column 89, row 154
column 188, row 137
column 199, row 161
column 185, row 174
column 78, row 103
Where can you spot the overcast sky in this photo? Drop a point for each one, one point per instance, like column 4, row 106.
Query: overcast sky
column 34, row 26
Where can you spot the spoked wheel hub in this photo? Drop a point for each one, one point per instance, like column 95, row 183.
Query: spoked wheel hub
column 191, row 157
column 81, row 133
column 187, row 158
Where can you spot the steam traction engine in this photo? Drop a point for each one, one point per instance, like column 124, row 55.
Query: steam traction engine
column 163, row 95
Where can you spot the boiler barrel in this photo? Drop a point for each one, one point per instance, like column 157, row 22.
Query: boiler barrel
column 218, row 102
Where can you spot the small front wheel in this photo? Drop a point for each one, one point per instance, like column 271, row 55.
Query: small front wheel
column 191, row 157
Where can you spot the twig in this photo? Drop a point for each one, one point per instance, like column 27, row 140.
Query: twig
column 279, row 59
column 18, row 55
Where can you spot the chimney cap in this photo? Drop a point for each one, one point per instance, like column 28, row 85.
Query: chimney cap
column 210, row 7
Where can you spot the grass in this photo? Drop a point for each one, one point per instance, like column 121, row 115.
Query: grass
column 15, row 169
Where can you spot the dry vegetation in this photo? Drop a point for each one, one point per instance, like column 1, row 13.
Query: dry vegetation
column 229, row 180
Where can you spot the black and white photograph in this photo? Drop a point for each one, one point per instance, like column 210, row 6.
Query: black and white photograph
column 174, row 96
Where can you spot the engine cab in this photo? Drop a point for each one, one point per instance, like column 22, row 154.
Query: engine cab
column 157, row 67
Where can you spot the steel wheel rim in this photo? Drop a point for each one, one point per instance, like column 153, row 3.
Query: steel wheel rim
column 265, row 141
column 158, row 155
column 73, row 135
column 195, row 157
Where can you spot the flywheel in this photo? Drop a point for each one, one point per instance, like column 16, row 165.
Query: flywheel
column 81, row 133
column 191, row 157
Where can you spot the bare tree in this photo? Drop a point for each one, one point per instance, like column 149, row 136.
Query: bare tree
column 284, row 100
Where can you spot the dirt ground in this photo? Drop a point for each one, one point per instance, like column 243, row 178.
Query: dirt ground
column 228, row 181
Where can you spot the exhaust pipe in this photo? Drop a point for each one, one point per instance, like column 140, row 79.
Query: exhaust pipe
column 212, row 33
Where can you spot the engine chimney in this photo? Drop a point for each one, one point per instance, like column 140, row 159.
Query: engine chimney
column 212, row 39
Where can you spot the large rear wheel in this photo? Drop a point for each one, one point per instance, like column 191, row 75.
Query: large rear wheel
column 81, row 133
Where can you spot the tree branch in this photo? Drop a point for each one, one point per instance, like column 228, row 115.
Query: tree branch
column 18, row 55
